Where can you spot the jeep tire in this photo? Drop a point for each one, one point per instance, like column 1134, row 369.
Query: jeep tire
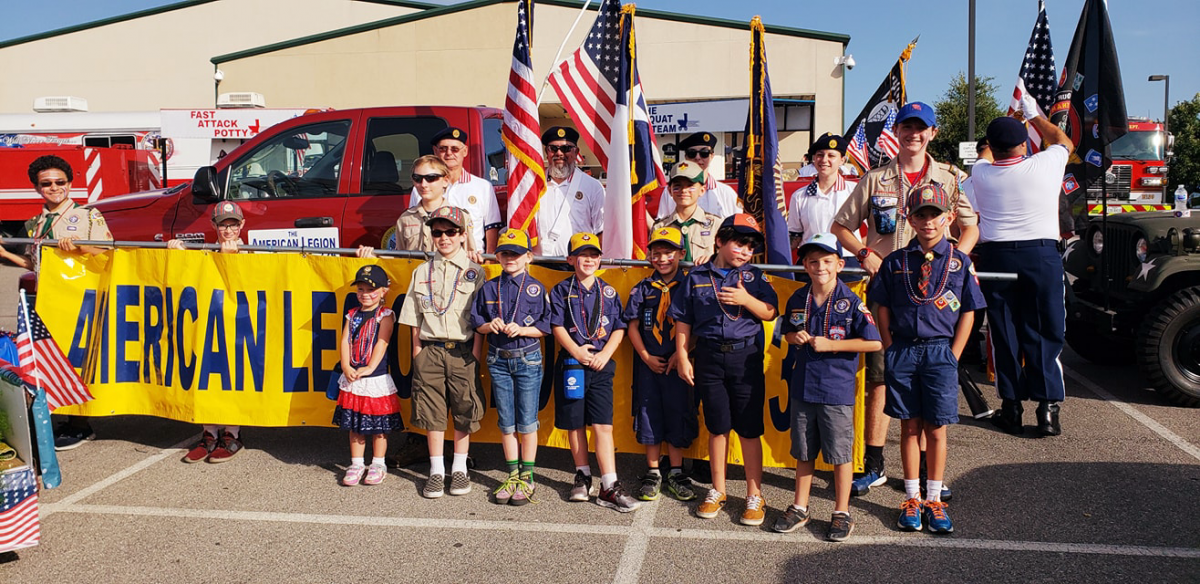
column 1168, row 347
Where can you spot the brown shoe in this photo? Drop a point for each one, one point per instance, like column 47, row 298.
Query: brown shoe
column 228, row 448
column 712, row 505
column 202, row 448
column 754, row 513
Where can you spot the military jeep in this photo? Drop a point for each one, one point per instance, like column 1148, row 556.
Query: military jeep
column 1133, row 294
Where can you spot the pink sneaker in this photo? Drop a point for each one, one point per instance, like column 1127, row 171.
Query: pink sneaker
column 353, row 475
column 375, row 474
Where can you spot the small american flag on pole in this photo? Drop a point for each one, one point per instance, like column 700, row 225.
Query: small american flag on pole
column 857, row 149
column 521, row 132
column 19, row 526
column 1037, row 78
column 887, row 142
column 43, row 364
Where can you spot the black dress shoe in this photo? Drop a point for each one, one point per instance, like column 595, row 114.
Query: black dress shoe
column 1009, row 417
column 1047, row 418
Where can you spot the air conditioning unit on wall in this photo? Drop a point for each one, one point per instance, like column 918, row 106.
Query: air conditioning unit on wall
column 241, row 99
column 64, row 103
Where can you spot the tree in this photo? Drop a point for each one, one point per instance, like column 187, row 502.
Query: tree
column 952, row 115
column 1185, row 125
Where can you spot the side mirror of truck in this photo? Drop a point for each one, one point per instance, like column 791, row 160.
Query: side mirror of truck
column 204, row 185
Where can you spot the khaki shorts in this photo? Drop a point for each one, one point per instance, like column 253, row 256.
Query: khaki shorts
column 874, row 361
column 447, row 380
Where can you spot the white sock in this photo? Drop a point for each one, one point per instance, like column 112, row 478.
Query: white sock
column 211, row 429
column 675, row 471
column 585, row 469
column 356, row 461
column 607, row 480
column 655, row 472
column 235, row 430
column 912, row 488
column 800, row 509
column 933, row 490
column 437, row 465
column 460, row 463
column 378, row 461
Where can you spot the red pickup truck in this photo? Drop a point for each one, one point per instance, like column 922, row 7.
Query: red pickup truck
column 328, row 179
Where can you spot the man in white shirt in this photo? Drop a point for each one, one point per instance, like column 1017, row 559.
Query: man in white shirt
column 574, row 201
column 719, row 198
column 1017, row 200
column 813, row 206
column 466, row 191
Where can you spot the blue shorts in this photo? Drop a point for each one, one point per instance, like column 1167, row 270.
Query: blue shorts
column 516, row 385
column 731, row 388
column 663, row 410
column 596, row 406
column 922, row 381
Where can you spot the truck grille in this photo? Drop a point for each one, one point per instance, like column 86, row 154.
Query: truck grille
column 1119, row 179
column 1119, row 256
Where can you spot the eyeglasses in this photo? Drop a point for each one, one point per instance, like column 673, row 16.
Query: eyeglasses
column 45, row 184
column 436, row 233
column 230, row 226
column 419, row 178
column 452, row 149
column 567, row 149
column 699, row 152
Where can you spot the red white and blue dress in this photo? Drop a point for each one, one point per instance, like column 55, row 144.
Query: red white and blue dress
column 367, row 405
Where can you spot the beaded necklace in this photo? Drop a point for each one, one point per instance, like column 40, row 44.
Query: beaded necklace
column 581, row 322
column 717, row 290
column 441, row 310
column 500, row 298
column 901, row 210
column 827, row 320
column 914, row 295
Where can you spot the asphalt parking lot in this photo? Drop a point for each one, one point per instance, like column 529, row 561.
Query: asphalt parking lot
column 1113, row 499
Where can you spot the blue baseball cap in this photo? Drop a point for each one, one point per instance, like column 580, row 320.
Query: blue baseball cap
column 919, row 110
column 826, row 242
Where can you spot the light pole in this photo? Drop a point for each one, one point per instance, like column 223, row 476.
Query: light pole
column 1166, row 79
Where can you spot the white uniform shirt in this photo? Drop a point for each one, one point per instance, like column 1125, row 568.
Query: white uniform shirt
column 719, row 199
column 812, row 210
column 478, row 198
column 575, row 205
column 1017, row 198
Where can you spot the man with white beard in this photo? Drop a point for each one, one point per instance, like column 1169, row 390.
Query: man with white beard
column 574, row 201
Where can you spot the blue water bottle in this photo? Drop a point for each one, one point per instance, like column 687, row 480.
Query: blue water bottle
column 572, row 378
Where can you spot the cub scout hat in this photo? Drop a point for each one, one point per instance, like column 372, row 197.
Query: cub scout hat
column 448, row 213
column 828, row 141
column 822, row 241
column 698, row 139
column 929, row 195
column 450, row 133
column 373, row 276
column 1005, row 133
column 671, row 236
column 226, row 210
column 743, row 224
column 513, row 240
column 581, row 242
column 560, row 133
column 688, row 170
column 919, row 110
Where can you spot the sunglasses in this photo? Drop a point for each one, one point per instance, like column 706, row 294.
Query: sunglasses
column 452, row 149
column 52, row 183
column 436, row 233
column 564, row 149
column 699, row 152
column 419, row 178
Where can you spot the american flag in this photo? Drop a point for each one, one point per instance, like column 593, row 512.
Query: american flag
column 1037, row 78
column 888, row 144
column 43, row 364
column 586, row 81
column 857, row 149
column 522, row 134
column 19, row 526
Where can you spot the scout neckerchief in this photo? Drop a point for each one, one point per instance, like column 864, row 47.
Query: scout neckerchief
column 683, row 225
column 919, row 297
column 591, row 328
column 660, row 319
column 441, row 310
column 52, row 219
column 712, row 268
column 516, row 299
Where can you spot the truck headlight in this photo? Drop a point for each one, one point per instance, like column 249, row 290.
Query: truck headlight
column 1141, row 249
column 1098, row 242
column 1152, row 181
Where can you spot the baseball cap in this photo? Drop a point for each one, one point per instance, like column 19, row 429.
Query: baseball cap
column 828, row 141
column 1005, row 133
column 928, row 195
column 743, row 224
column 823, row 241
column 581, row 242
column 451, row 133
column 448, row 213
column 372, row 276
column 226, row 210
column 671, row 236
column 919, row 110
column 688, row 170
column 513, row 240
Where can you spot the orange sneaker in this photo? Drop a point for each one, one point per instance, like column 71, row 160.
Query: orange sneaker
column 712, row 505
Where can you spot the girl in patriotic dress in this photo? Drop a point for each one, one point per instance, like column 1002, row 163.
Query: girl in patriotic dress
column 367, row 404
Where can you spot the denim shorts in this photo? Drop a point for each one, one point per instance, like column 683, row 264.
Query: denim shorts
column 516, row 384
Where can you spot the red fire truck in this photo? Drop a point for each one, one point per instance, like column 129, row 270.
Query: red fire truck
column 1137, row 179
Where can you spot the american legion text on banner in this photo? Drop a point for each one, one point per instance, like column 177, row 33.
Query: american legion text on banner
column 252, row 339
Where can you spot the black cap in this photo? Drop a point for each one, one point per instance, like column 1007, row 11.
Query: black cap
column 982, row 143
column 828, row 141
column 372, row 275
column 699, row 139
column 451, row 133
column 1005, row 133
column 560, row 133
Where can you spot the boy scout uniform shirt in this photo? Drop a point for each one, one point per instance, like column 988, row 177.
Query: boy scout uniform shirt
column 880, row 196
column 504, row 296
column 827, row 378
column 699, row 232
column 412, row 234
column 77, row 222
column 477, row 197
column 718, row 198
column 697, row 304
column 582, row 303
column 939, row 317
column 421, row 310
column 646, row 307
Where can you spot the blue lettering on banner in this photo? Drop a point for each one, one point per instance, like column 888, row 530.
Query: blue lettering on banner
column 102, row 320
column 781, row 418
column 401, row 378
column 215, row 360
column 187, row 359
column 81, row 340
column 295, row 379
column 250, row 340
column 323, row 339
column 127, row 332
column 152, row 324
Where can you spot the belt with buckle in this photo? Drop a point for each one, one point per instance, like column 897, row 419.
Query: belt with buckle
column 729, row 347
column 448, row 345
column 515, row 353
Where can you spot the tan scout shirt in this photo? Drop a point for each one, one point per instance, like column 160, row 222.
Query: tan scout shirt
column 78, row 222
column 880, row 196
column 412, row 234
column 699, row 232
column 452, row 298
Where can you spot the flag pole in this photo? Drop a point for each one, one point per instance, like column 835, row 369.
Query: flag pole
column 561, row 46
column 37, row 382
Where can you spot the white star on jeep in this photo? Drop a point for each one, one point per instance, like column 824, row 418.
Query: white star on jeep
column 1147, row 267
column 1067, row 252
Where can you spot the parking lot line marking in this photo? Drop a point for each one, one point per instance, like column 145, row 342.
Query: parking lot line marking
column 1132, row 412
column 634, row 555
column 118, row 476
column 915, row 540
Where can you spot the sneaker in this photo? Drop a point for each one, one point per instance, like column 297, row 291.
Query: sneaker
column 434, row 487
column 226, row 449
column 69, row 437
column 862, row 485
column 936, row 517
column 651, row 486
column 714, row 501
column 910, row 515
column 840, row 527
column 791, row 520
column 582, row 490
column 616, row 498
column 946, row 493
column 202, row 448
column 680, row 487
column 754, row 512
column 504, row 493
column 525, row 490
column 375, row 474
column 414, row 449
column 353, row 475
column 460, row 483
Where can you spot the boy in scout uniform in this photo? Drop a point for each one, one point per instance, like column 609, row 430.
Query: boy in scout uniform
column 698, row 227
column 445, row 360
column 716, row 197
column 468, row 192
column 411, row 232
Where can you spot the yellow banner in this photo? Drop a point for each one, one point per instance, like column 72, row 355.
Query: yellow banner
column 252, row 339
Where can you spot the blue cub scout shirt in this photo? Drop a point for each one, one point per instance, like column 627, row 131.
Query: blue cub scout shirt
column 504, row 296
column 938, row 316
column 697, row 304
column 572, row 305
column 642, row 309
column 827, row 378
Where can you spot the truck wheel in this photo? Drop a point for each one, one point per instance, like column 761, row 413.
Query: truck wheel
column 1098, row 348
column 1168, row 347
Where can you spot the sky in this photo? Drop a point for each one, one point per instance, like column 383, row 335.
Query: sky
column 1153, row 37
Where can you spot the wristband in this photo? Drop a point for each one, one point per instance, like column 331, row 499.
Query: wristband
column 863, row 253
